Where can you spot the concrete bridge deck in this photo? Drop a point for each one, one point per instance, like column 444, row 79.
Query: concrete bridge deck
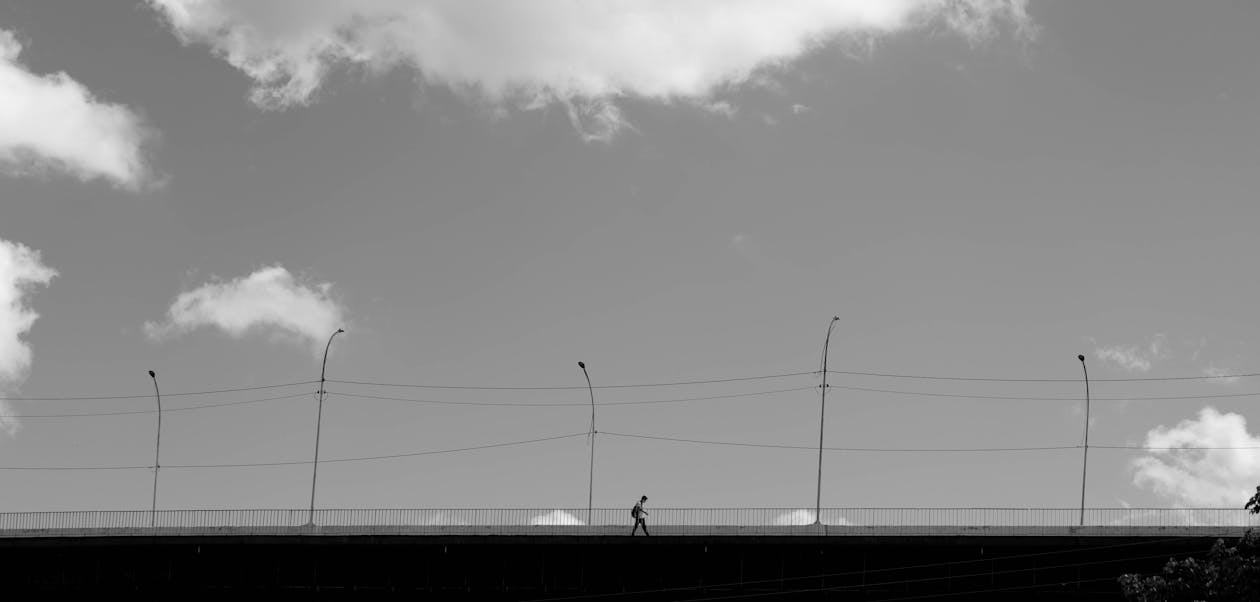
column 545, row 554
column 681, row 522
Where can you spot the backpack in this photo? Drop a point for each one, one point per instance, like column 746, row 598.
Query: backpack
column 634, row 512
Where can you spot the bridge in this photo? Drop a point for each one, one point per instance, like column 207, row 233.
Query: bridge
column 693, row 553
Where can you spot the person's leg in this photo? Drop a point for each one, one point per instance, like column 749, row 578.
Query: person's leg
column 645, row 531
column 635, row 528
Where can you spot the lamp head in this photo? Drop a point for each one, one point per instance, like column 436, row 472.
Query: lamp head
column 152, row 374
column 340, row 330
column 582, row 365
column 1080, row 357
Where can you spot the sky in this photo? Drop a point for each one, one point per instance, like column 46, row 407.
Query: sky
column 484, row 193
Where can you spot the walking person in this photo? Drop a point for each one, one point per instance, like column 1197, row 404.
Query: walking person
column 638, row 513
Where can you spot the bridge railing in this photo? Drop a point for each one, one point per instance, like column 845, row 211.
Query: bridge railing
column 607, row 521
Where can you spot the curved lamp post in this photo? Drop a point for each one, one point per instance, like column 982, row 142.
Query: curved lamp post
column 319, row 418
column 821, row 417
column 157, row 452
column 590, row 492
column 1085, row 459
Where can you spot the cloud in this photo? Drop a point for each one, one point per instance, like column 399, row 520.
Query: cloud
column 1136, row 358
column 1202, row 478
column 270, row 299
column 794, row 518
column 1219, row 375
column 53, row 122
column 556, row 518
column 444, row 520
column 582, row 56
column 1175, row 517
column 720, row 107
column 797, row 518
column 1128, row 357
column 20, row 271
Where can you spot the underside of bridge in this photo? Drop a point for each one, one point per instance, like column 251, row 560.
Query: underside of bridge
column 622, row 568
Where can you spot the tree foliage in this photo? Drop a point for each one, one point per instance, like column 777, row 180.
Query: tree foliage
column 1228, row 574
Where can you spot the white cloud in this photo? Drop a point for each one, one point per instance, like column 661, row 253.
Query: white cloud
column 1136, row 358
column 1173, row 517
column 1219, row 375
column 1203, row 478
column 270, row 299
column 797, row 518
column 794, row 518
column 720, row 107
column 556, row 518
column 442, row 519
column 582, row 56
column 1128, row 357
column 20, row 270
column 53, row 122
column 1159, row 346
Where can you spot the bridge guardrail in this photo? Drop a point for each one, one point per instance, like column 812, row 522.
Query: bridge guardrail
column 606, row 521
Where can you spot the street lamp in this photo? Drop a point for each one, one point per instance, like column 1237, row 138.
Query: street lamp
column 157, row 452
column 1085, row 458
column 590, row 492
column 821, row 417
column 319, row 418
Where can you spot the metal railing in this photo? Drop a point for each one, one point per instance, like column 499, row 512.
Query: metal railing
column 661, row 521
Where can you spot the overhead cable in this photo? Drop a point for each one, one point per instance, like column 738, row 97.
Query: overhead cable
column 1040, row 380
column 568, row 403
column 299, row 462
column 840, row 449
column 204, row 406
column 574, row 387
column 149, row 396
column 917, row 449
column 1024, row 398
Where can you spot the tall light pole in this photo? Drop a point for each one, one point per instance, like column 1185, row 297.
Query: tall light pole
column 822, row 415
column 319, row 418
column 1085, row 459
column 590, row 492
column 157, row 452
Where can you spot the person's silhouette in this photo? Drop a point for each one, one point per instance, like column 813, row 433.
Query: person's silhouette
column 638, row 513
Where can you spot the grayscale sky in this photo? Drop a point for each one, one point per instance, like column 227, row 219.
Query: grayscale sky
column 485, row 193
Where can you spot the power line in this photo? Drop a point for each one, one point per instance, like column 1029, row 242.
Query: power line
column 626, row 435
column 150, row 396
column 841, row 449
column 570, row 388
column 53, row 468
column 1145, row 448
column 698, row 382
column 911, row 450
column 868, row 571
column 566, row 403
column 405, row 399
column 300, row 462
column 964, row 576
column 459, row 449
column 165, row 411
column 1040, row 380
column 1012, row 588
column 1022, row 398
